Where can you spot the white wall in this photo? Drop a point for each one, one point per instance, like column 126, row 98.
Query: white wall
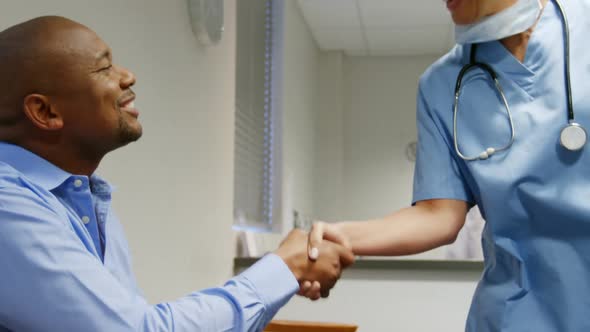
column 329, row 146
column 174, row 187
column 379, row 122
column 367, row 112
column 301, row 63
column 365, row 117
column 395, row 300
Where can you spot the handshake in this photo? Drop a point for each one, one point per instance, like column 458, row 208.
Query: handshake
column 316, row 264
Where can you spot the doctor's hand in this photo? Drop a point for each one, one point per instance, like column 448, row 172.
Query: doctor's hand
column 316, row 277
column 320, row 231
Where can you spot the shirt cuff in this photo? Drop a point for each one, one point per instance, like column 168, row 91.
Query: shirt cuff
column 273, row 280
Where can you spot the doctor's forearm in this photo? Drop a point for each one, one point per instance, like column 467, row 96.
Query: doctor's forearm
column 408, row 231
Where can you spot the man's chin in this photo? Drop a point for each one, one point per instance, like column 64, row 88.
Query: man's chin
column 129, row 135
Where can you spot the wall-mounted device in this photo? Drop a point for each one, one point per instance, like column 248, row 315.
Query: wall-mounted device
column 206, row 18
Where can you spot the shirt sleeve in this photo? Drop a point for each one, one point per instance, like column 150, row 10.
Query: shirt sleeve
column 50, row 282
column 437, row 174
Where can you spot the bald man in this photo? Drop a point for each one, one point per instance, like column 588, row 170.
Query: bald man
column 64, row 260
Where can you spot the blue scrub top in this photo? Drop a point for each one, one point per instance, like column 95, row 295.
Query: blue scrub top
column 535, row 196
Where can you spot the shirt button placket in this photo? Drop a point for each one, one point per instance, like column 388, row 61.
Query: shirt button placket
column 85, row 220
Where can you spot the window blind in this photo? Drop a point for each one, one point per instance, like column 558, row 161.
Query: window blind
column 254, row 155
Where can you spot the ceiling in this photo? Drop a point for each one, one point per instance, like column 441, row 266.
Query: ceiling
column 380, row 27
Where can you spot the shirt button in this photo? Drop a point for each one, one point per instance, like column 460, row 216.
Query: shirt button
column 78, row 183
column 85, row 220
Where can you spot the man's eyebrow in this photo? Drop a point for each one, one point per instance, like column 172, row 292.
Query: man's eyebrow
column 102, row 55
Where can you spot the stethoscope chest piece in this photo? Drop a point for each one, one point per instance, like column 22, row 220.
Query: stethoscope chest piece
column 573, row 137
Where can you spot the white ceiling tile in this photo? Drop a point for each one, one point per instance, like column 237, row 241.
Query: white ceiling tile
column 330, row 13
column 390, row 27
column 340, row 39
column 409, row 41
column 401, row 14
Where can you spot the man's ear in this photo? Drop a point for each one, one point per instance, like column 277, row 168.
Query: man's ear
column 41, row 113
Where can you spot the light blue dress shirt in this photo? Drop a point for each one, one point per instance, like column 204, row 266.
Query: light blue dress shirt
column 535, row 196
column 65, row 265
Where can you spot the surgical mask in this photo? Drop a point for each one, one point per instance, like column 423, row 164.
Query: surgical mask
column 513, row 20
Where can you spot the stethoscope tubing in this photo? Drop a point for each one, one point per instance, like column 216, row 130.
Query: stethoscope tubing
column 473, row 64
column 489, row 151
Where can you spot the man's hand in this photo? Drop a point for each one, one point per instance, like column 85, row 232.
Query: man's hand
column 320, row 274
column 321, row 231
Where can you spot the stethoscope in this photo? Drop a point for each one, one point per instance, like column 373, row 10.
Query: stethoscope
column 573, row 136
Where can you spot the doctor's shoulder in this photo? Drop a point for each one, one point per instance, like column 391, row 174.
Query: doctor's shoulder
column 445, row 68
column 437, row 83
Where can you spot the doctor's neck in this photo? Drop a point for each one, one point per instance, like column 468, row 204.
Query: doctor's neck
column 517, row 44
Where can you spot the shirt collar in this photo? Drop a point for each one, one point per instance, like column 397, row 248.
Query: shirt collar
column 523, row 73
column 33, row 167
column 100, row 186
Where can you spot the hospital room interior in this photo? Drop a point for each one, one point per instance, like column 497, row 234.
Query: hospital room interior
column 294, row 111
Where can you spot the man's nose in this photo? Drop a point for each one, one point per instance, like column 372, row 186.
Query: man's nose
column 127, row 78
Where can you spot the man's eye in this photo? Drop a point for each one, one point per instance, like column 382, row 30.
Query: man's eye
column 106, row 68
